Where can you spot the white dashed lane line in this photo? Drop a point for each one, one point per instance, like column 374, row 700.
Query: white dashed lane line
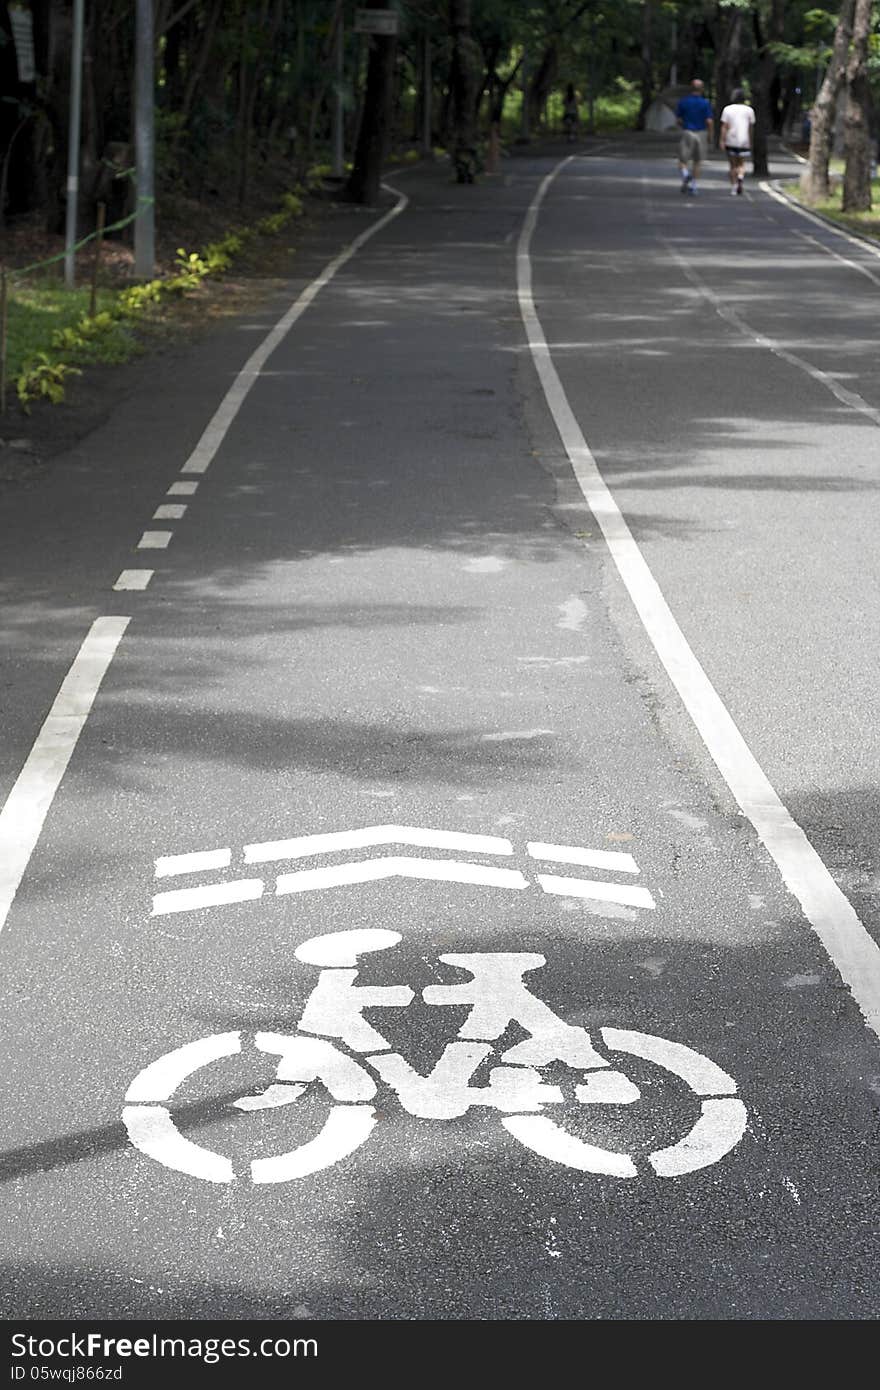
column 133, row 579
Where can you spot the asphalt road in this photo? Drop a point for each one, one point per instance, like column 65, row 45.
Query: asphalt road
column 388, row 609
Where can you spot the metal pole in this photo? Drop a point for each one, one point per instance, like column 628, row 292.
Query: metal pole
column 144, row 144
column 338, row 113
column 73, row 141
column 3, row 295
column 427, row 89
column 673, row 70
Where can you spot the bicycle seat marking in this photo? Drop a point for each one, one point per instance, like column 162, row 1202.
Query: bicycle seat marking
column 337, row 1053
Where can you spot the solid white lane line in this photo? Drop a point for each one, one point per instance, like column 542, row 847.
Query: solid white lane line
column 725, row 311
column 628, row 893
column 373, row 870
column 134, row 579
column 844, row 260
column 170, row 864
column 825, row 907
column 304, row 845
column 817, row 221
column 182, row 489
column 170, row 511
column 241, row 890
column 155, row 540
column 27, row 805
column 213, row 436
column 613, row 859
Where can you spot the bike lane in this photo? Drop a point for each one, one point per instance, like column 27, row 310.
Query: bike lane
column 375, row 613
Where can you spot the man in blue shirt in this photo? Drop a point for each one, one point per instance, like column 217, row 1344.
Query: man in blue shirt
column 694, row 115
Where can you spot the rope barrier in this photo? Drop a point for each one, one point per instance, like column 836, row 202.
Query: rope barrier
column 113, row 227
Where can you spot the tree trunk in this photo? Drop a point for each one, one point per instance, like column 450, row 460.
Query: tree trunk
column 372, row 144
column 465, row 79
column 647, row 62
column 542, row 82
column 764, row 88
column 814, row 180
column 857, row 176
column 728, row 60
column 201, row 62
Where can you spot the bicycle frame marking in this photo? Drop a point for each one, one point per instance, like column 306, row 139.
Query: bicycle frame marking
column 497, row 996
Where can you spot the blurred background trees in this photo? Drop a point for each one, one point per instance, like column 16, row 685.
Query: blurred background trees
column 247, row 85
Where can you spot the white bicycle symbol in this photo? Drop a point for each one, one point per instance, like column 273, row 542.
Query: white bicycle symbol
column 497, row 995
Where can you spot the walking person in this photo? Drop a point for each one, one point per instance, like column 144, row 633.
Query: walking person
column 737, row 124
column 694, row 115
column 570, row 113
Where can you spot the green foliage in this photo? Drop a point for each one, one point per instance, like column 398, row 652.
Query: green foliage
column 50, row 328
column 44, row 379
column 190, row 269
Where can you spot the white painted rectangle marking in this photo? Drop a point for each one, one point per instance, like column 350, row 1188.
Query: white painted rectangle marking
column 27, row 805
column 134, row 579
column 154, row 540
column 628, row 893
column 170, row 864
column 612, row 859
column 170, row 511
column 371, row 835
column 208, row 895
column 185, row 489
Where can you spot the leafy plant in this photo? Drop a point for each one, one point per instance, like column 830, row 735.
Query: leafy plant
column 45, row 379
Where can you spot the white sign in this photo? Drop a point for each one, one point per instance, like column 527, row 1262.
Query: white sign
column 375, row 22
column 22, row 24
column 335, row 1046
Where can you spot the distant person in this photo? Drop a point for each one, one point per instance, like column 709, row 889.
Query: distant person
column 694, row 114
column 570, row 114
column 737, row 124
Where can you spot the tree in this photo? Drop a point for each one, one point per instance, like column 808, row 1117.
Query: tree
column 465, row 80
column 857, row 174
column 814, row 180
column 766, row 77
column 373, row 136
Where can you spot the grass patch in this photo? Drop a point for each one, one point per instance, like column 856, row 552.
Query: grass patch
column 38, row 311
column 868, row 223
column 51, row 334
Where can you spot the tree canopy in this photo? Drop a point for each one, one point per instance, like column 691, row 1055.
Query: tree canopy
column 243, row 82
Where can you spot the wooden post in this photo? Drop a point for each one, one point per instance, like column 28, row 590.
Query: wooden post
column 99, row 237
column 3, row 294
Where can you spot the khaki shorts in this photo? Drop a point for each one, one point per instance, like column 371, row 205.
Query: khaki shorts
column 692, row 147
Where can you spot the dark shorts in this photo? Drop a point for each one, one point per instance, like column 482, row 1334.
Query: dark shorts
column 736, row 154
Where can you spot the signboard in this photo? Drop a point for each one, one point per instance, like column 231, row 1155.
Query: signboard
column 22, row 24
column 375, row 22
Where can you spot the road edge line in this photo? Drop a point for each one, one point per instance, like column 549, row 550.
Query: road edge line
column 218, row 426
column 830, row 913
column 32, row 794
column 771, row 188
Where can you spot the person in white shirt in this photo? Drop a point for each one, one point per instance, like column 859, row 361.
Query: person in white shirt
column 737, row 124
